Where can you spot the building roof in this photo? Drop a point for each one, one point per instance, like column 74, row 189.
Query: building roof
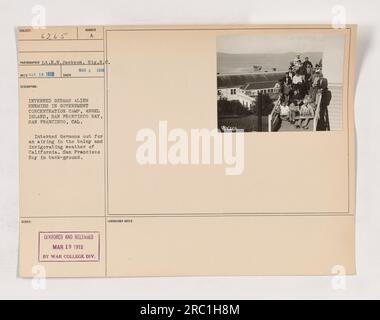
column 241, row 80
column 260, row 85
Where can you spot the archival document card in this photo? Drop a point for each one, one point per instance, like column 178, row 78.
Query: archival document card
column 186, row 150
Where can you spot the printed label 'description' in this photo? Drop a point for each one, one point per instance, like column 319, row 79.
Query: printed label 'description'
column 69, row 246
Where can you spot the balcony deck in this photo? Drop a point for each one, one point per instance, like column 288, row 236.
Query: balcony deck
column 287, row 126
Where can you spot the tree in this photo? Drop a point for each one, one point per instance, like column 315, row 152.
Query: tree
column 267, row 105
column 233, row 107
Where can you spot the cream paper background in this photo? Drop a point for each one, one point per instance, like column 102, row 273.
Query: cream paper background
column 266, row 221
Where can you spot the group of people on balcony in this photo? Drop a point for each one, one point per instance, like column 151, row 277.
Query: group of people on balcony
column 298, row 91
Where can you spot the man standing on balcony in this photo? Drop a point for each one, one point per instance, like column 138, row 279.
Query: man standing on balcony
column 307, row 65
column 307, row 70
column 324, row 120
column 297, row 62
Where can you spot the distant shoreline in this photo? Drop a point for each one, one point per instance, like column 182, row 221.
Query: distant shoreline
column 248, row 73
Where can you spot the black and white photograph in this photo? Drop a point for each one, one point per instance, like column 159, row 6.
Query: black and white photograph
column 274, row 83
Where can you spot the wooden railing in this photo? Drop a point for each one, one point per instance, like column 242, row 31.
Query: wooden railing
column 272, row 114
column 317, row 112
